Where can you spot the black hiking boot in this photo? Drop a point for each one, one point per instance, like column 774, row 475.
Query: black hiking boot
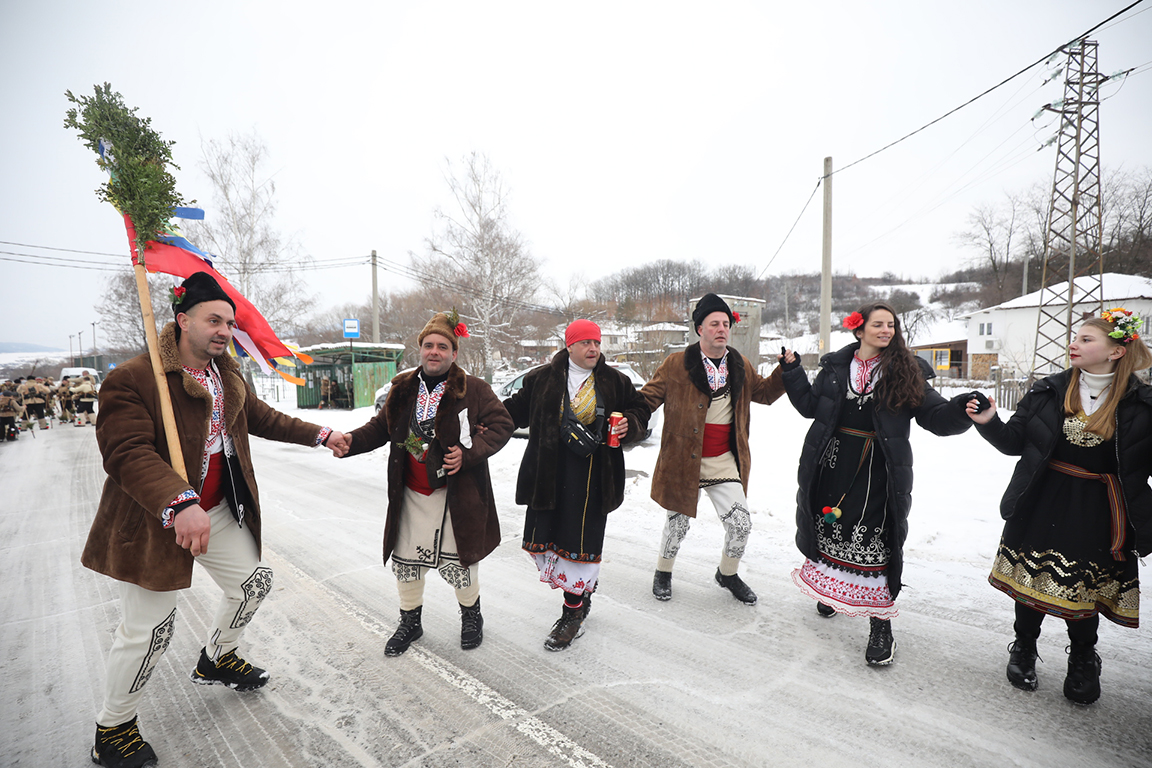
column 1022, row 663
column 471, row 626
column 662, row 585
column 587, row 607
column 229, row 670
column 881, row 645
column 1082, row 685
column 410, row 629
column 825, row 610
column 121, row 746
column 737, row 587
column 567, row 628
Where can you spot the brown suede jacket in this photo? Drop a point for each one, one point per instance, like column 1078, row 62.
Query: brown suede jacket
column 470, row 500
column 681, row 386
column 128, row 541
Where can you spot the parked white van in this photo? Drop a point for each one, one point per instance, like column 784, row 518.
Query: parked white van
column 76, row 373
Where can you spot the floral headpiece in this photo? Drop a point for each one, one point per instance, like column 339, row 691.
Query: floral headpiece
column 176, row 295
column 853, row 321
column 735, row 317
column 1127, row 324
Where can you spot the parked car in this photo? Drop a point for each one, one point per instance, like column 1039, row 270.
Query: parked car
column 516, row 384
column 382, row 393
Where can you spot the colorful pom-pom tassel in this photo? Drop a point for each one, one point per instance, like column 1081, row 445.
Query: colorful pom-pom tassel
column 831, row 514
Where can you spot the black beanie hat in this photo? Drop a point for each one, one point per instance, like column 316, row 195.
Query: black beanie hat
column 707, row 305
column 200, row 286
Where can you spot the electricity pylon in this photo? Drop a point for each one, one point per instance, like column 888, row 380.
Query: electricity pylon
column 1071, row 285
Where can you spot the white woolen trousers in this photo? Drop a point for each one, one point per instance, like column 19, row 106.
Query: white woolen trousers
column 149, row 617
column 732, row 509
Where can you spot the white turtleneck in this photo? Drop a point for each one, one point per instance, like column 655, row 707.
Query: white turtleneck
column 1092, row 388
column 577, row 375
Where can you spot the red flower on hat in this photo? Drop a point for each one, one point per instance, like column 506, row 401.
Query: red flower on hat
column 853, row 321
column 461, row 331
column 177, row 294
column 735, row 317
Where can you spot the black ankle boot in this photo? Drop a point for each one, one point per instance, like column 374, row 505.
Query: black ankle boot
column 1022, row 663
column 1082, row 685
column 662, row 585
column 471, row 626
column 881, row 645
column 410, row 629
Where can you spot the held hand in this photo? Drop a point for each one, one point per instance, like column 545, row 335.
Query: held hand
column 453, row 458
column 978, row 416
column 340, row 444
column 787, row 359
column 192, row 528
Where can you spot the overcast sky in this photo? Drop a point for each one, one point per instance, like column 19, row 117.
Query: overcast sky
column 626, row 132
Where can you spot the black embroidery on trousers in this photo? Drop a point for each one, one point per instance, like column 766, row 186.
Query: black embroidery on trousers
column 161, row 636
column 256, row 588
column 456, row 575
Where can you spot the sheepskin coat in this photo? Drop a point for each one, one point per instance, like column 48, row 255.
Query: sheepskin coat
column 537, row 407
column 822, row 401
column 681, row 386
column 470, row 500
column 127, row 540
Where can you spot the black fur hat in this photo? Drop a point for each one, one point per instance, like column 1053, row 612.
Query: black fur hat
column 200, row 286
column 707, row 305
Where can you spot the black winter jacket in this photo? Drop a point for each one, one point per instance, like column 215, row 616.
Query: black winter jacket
column 537, row 406
column 1032, row 433
column 822, row 401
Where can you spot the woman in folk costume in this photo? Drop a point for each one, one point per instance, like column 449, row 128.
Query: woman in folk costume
column 1078, row 509
column 856, row 469
column 569, row 485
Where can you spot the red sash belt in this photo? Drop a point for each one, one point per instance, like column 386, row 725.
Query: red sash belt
column 212, row 491
column 1115, row 501
column 416, row 476
column 717, row 440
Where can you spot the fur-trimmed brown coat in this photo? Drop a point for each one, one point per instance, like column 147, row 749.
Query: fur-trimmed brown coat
column 537, row 406
column 128, row 541
column 470, row 500
column 681, row 386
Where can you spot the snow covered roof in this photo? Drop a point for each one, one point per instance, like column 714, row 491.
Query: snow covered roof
column 1116, row 288
column 947, row 332
column 664, row 327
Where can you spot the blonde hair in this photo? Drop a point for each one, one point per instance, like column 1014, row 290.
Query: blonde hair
column 1135, row 358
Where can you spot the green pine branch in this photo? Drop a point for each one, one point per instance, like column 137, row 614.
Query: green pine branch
column 138, row 162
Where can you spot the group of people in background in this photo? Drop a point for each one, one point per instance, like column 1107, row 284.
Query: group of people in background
column 40, row 401
column 1078, row 509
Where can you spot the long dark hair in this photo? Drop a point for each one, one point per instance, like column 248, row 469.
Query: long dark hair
column 901, row 380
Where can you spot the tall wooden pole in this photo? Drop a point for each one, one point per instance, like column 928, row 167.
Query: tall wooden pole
column 826, row 266
column 175, row 452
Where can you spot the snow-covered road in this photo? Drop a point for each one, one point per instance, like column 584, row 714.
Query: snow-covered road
column 698, row 681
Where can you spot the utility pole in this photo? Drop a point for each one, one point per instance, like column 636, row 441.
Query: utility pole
column 375, row 304
column 94, row 342
column 71, row 357
column 1072, row 281
column 80, row 346
column 826, row 268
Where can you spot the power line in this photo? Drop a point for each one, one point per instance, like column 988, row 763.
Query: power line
column 1006, row 80
column 806, row 202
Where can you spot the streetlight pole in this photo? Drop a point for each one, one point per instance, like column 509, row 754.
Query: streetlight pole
column 94, row 342
column 71, row 357
column 80, row 347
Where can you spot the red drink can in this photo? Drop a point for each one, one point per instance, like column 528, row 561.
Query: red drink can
column 614, row 420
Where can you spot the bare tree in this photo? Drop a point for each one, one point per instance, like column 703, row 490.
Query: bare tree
column 121, row 322
column 240, row 230
column 991, row 232
column 478, row 256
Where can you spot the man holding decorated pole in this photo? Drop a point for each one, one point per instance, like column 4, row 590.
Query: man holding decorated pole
column 155, row 519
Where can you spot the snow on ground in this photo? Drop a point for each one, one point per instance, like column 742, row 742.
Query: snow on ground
column 699, row 680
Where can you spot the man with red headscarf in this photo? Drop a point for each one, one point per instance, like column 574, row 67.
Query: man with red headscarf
column 570, row 478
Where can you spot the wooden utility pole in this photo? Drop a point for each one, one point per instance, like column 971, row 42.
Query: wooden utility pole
column 375, row 304
column 826, row 267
